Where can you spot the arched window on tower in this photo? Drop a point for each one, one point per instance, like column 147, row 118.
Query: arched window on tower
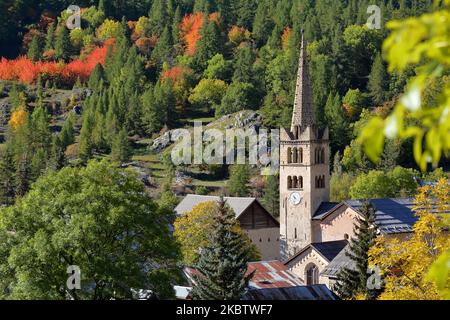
column 294, row 155
column 300, row 155
column 289, row 155
column 289, row 182
column 294, row 182
column 311, row 274
column 322, row 155
column 300, row 182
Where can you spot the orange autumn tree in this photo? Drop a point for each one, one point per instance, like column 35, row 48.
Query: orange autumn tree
column 191, row 26
column 285, row 37
column 190, row 30
column 26, row 71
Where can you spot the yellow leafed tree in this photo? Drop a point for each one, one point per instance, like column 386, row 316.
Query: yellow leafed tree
column 193, row 230
column 405, row 264
column 18, row 118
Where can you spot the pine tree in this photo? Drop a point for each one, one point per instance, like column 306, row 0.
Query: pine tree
column 243, row 71
column 352, row 281
column 96, row 77
column 7, row 175
column 67, row 135
column 271, row 195
column 209, row 44
column 58, row 158
column 120, row 151
column 23, row 175
column 378, row 80
column 176, row 26
column 239, row 179
column 334, row 116
column 86, row 145
column 163, row 48
column 34, row 50
column 62, row 44
column 158, row 17
column 223, row 264
column 50, row 39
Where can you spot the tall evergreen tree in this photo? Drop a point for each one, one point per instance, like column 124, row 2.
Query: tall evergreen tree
column 120, row 151
column 209, row 44
column 239, row 179
column 352, row 280
column 271, row 195
column 223, row 264
column 62, row 44
column 58, row 158
column 335, row 119
column 378, row 81
column 34, row 50
column 7, row 175
column 50, row 39
column 163, row 48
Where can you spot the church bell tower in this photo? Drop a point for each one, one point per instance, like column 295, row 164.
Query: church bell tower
column 304, row 167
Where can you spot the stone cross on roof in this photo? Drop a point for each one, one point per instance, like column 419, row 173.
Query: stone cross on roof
column 303, row 113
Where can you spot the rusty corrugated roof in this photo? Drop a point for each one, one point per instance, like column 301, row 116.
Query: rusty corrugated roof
column 272, row 274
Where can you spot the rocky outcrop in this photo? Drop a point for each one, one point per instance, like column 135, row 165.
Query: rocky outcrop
column 243, row 120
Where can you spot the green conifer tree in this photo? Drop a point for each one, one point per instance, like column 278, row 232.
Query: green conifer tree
column 223, row 264
column 352, row 280
column 7, row 175
column 120, row 151
column 50, row 39
column 239, row 180
column 378, row 80
column 62, row 44
column 34, row 50
column 271, row 195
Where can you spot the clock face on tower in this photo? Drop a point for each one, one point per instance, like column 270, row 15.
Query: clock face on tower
column 295, row 198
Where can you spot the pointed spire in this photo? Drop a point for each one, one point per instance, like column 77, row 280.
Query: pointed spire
column 303, row 113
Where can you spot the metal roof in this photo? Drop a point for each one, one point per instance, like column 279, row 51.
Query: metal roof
column 315, row 292
column 339, row 262
column 238, row 204
column 324, row 208
column 271, row 281
column 328, row 250
column 272, row 274
column 393, row 215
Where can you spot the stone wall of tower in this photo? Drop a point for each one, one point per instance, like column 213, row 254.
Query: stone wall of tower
column 296, row 230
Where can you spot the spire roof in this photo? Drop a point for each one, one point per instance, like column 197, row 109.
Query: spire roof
column 303, row 113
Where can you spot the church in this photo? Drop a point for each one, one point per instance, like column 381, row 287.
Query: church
column 314, row 232
column 312, row 236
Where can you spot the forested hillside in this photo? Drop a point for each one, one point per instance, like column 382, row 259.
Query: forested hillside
column 136, row 69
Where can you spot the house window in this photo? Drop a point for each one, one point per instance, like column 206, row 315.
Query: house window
column 295, row 233
column 312, row 274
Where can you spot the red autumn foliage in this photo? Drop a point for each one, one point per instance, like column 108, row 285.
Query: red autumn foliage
column 26, row 71
column 190, row 30
column 176, row 73
column 286, row 36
